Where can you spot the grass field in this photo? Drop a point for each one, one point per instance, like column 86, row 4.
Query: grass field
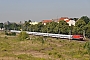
column 11, row 48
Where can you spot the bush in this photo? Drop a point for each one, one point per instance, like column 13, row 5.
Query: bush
column 5, row 37
column 49, row 53
column 41, row 39
column 14, row 34
column 87, row 47
column 10, row 34
column 59, row 56
column 6, row 33
column 23, row 35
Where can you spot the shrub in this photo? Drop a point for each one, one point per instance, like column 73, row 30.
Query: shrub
column 59, row 56
column 14, row 34
column 87, row 47
column 5, row 37
column 49, row 53
column 10, row 34
column 41, row 39
column 23, row 35
column 6, row 33
column 55, row 53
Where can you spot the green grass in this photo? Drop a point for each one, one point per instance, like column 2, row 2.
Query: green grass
column 50, row 49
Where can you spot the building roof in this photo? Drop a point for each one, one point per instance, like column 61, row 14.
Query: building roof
column 46, row 21
column 67, row 20
column 62, row 18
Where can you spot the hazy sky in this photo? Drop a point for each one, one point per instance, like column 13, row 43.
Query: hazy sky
column 38, row 10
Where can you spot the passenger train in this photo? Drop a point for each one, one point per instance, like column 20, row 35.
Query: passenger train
column 62, row 36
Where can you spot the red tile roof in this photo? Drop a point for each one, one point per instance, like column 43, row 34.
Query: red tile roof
column 62, row 18
column 46, row 21
column 67, row 20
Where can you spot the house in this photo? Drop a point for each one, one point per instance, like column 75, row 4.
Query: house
column 63, row 18
column 46, row 21
column 33, row 23
column 71, row 22
column 68, row 20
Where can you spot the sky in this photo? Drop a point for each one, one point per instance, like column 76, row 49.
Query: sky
column 38, row 10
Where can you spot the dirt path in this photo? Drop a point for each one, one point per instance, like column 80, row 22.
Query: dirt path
column 8, row 58
column 34, row 54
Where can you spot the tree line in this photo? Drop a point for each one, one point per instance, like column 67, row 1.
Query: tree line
column 82, row 25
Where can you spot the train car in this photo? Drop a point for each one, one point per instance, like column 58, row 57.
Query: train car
column 31, row 33
column 66, row 36
column 15, row 31
column 40, row 34
column 53, row 35
column 46, row 34
column 78, row 37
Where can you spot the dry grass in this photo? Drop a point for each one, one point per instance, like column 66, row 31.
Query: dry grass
column 52, row 49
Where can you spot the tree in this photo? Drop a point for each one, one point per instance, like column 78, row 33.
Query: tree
column 79, row 27
column 38, row 27
column 62, row 27
column 75, row 19
column 44, row 29
column 23, row 35
column 1, row 25
column 26, row 26
column 50, row 27
column 87, row 29
column 12, row 26
column 75, row 30
column 80, row 23
column 29, row 21
column 7, row 27
column 85, row 18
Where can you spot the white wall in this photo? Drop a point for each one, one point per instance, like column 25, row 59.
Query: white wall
column 71, row 22
column 33, row 23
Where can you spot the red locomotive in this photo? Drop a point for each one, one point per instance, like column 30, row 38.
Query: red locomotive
column 79, row 37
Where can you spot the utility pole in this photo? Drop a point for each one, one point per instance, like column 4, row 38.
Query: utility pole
column 30, row 31
column 47, row 30
column 59, row 32
column 84, row 34
column 57, row 17
column 70, row 35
